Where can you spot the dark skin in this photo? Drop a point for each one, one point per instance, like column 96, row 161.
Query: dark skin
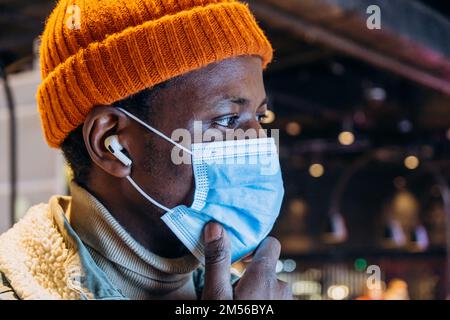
column 226, row 95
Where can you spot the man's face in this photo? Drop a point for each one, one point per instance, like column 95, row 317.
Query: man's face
column 223, row 96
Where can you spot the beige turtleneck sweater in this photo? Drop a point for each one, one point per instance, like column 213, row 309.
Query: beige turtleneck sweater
column 137, row 272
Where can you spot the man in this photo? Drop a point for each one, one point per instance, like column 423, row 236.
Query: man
column 169, row 63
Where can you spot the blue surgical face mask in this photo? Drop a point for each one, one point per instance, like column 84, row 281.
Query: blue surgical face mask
column 238, row 184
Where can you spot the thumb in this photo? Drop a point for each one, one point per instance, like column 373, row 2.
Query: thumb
column 217, row 263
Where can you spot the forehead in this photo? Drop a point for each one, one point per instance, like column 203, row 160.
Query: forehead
column 235, row 77
column 242, row 68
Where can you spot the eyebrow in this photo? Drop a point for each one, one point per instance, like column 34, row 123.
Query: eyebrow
column 244, row 101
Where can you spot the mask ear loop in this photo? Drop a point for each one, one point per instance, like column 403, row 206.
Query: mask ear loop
column 146, row 196
column 162, row 135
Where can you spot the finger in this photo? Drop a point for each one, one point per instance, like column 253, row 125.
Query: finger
column 217, row 263
column 286, row 291
column 266, row 256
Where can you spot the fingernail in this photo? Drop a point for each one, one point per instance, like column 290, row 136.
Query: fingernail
column 213, row 231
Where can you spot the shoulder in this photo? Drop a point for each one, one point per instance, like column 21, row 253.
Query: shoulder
column 6, row 291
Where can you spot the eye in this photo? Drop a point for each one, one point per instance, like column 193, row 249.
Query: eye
column 262, row 117
column 227, row 121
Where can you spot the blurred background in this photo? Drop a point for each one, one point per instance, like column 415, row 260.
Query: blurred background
column 364, row 119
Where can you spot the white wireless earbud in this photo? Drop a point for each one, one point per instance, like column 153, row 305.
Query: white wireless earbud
column 113, row 146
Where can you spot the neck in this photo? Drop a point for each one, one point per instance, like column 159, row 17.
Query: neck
column 139, row 272
column 140, row 219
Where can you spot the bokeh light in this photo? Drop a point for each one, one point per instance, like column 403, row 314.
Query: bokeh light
column 316, row 170
column 346, row 138
column 411, row 162
column 293, row 128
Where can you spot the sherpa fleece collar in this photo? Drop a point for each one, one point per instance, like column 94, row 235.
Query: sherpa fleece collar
column 43, row 258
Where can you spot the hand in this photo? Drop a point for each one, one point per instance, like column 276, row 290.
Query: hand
column 259, row 280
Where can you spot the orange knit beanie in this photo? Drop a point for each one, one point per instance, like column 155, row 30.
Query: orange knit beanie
column 96, row 52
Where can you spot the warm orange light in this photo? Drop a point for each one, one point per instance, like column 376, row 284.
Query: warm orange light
column 270, row 117
column 316, row 170
column 411, row 162
column 293, row 128
column 346, row 138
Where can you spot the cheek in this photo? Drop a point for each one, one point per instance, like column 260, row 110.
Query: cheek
column 174, row 182
column 184, row 184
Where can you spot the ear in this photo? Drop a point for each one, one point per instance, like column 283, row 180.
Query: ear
column 102, row 122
